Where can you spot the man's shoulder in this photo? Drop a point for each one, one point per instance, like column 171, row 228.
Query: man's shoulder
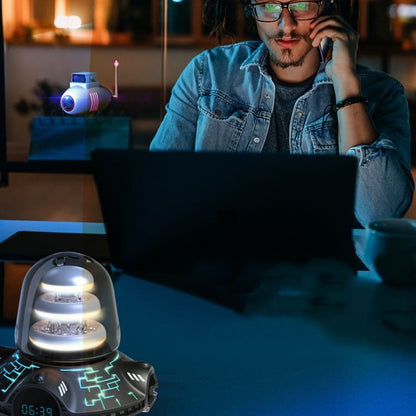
column 370, row 77
column 224, row 64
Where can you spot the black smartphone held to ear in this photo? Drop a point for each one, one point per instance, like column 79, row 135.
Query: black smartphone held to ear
column 325, row 49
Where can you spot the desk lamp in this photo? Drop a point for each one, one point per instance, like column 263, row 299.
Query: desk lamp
column 67, row 334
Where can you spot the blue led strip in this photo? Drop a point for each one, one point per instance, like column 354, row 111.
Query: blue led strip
column 132, row 394
column 11, row 371
column 101, row 386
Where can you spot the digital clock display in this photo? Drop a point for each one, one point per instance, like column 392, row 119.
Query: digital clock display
column 33, row 401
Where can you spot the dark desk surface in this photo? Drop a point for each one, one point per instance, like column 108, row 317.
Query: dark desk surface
column 349, row 352
column 320, row 346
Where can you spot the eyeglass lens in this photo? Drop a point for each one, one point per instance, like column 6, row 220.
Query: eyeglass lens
column 300, row 10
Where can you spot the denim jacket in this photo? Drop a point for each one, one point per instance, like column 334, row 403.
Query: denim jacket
column 224, row 99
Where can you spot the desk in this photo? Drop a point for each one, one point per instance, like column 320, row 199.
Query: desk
column 349, row 351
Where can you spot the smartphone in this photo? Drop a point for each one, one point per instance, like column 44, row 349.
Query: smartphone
column 325, row 49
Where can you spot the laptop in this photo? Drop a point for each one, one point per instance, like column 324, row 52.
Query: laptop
column 169, row 211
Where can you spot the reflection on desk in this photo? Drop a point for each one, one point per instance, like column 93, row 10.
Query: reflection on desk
column 338, row 354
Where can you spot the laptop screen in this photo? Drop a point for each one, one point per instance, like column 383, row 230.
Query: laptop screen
column 168, row 211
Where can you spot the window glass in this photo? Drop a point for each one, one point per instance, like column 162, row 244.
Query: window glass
column 82, row 8
column 179, row 17
column 44, row 13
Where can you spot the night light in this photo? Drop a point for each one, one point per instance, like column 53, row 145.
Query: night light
column 86, row 95
column 67, row 334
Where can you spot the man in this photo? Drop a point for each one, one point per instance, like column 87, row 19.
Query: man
column 297, row 90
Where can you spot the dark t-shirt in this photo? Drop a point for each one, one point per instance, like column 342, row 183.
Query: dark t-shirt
column 277, row 139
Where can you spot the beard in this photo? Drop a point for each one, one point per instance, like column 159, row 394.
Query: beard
column 287, row 59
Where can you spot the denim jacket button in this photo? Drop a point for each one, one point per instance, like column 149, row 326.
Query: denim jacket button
column 267, row 95
column 256, row 140
column 299, row 114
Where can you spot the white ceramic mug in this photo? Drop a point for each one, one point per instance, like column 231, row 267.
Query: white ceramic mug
column 390, row 250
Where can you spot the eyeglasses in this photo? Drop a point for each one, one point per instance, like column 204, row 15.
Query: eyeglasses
column 299, row 10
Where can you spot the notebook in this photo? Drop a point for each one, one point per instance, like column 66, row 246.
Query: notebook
column 168, row 211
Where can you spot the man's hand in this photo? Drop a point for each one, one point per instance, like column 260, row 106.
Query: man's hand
column 355, row 126
column 340, row 65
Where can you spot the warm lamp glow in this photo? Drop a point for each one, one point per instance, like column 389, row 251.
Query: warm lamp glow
column 74, row 22
column 68, row 22
column 403, row 11
column 61, row 22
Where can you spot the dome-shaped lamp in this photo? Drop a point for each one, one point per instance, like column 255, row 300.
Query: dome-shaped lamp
column 67, row 334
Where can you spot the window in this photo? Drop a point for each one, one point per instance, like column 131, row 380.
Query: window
column 109, row 21
column 43, row 13
column 82, row 8
column 179, row 17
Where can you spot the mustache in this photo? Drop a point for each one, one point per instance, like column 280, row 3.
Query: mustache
column 292, row 35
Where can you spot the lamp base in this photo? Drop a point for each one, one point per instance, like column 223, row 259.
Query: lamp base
column 113, row 386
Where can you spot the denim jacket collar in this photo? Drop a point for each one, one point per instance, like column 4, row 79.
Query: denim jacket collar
column 257, row 58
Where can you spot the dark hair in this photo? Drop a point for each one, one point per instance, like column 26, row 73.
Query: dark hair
column 220, row 15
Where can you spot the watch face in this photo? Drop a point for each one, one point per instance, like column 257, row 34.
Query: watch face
column 33, row 401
